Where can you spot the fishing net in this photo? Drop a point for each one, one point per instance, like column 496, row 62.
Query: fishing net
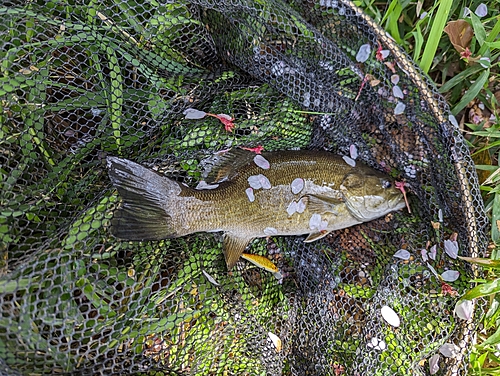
column 82, row 80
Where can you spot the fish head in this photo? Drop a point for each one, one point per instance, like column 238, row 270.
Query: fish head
column 370, row 195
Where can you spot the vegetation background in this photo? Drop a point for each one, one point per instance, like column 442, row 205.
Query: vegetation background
column 457, row 44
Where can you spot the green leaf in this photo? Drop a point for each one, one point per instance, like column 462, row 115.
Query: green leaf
column 435, row 34
column 482, row 261
column 493, row 339
column 484, row 289
column 495, row 219
column 472, row 92
column 478, row 27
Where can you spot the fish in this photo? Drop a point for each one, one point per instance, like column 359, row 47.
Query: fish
column 281, row 193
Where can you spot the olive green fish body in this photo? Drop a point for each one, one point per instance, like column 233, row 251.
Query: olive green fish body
column 277, row 193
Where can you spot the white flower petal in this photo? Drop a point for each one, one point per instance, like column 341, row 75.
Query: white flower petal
column 440, row 215
column 276, row 341
column 434, row 364
column 192, row 113
column 353, row 151
column 351, row 162
column 464, row 309
column 453, row 120
column 250, row 195
column 210, row 278
column 390, row 316
column 466, row 12
column 203, row 185
column 301, row 206
column 292, row 208
column 399, row 109
column 450, row 275
column 395, row 79
column 363, row 53
column 261, row 162
column 402, row 254
column 377, row 344
column 425, row 258
column 297, row 185
column 432, row 252
column 264, row 182
column 449, row 350
column 385, row 53
column 323, row 226
column 481, row 10
column 315, row 221
column 270, row 231
column 397, row 92
column 451, row 248
column 254, row 181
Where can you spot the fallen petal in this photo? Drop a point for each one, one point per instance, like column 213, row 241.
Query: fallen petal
column 450, row 275
column 464, row 309
column 353, row 151
column 390, row 316
column 270, row 231
column 402, row 254
column 481, row 10
column 301, row 206
column 251, row 196
column 425, row 258
column 264, row 182
column 192, row 113
column 451, row 248
column 292, row 208
column 261, row 162
column 384, row 53
column 397, row 92
column 210, row 278
column 315, row 221
column 254, row 181
column 323, row 226
column 276, row 341
column 297, row 185
column 400, row 108
column 432, row 252
column 434, row 364
column 204, row 185
column 363, row 53
column 449, row 350
column 351, row 162
column 224, row 116
column 395, row 79
column 377, row 344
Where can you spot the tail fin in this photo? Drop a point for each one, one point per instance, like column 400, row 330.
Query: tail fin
column 145, row 194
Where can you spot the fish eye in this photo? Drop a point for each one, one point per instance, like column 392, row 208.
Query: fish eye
column 386, row 184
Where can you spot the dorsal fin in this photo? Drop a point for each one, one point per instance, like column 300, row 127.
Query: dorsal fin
column 224, row 166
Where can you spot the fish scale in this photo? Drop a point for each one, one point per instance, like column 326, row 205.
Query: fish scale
column 341, row 194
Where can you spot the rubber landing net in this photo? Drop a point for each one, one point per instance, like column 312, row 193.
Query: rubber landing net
column 83, row 80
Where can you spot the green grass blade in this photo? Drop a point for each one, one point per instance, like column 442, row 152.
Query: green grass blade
column 435, row 34
column 472, row 92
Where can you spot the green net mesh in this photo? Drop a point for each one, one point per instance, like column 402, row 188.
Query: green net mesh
column 82, row 80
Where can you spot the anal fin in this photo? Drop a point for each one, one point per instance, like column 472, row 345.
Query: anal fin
column 233, row 248
column 313, row 236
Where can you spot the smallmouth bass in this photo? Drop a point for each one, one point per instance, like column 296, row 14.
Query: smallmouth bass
column 251, row 196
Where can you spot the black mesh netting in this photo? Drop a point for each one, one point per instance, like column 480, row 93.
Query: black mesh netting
column 83, row 79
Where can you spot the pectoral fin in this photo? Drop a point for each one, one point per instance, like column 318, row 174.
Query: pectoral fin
column 322, row 204
column 313, row 236
column 233, row 248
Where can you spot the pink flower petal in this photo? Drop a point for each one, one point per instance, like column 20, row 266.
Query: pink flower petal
column 397, row 92
column 400, row 108
column 432, row 252
column 481, row 10
column 425, row 258
column 449, row 350
column 395, row 79
column 264, row 182
column 301, row 206
column 254, row 181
